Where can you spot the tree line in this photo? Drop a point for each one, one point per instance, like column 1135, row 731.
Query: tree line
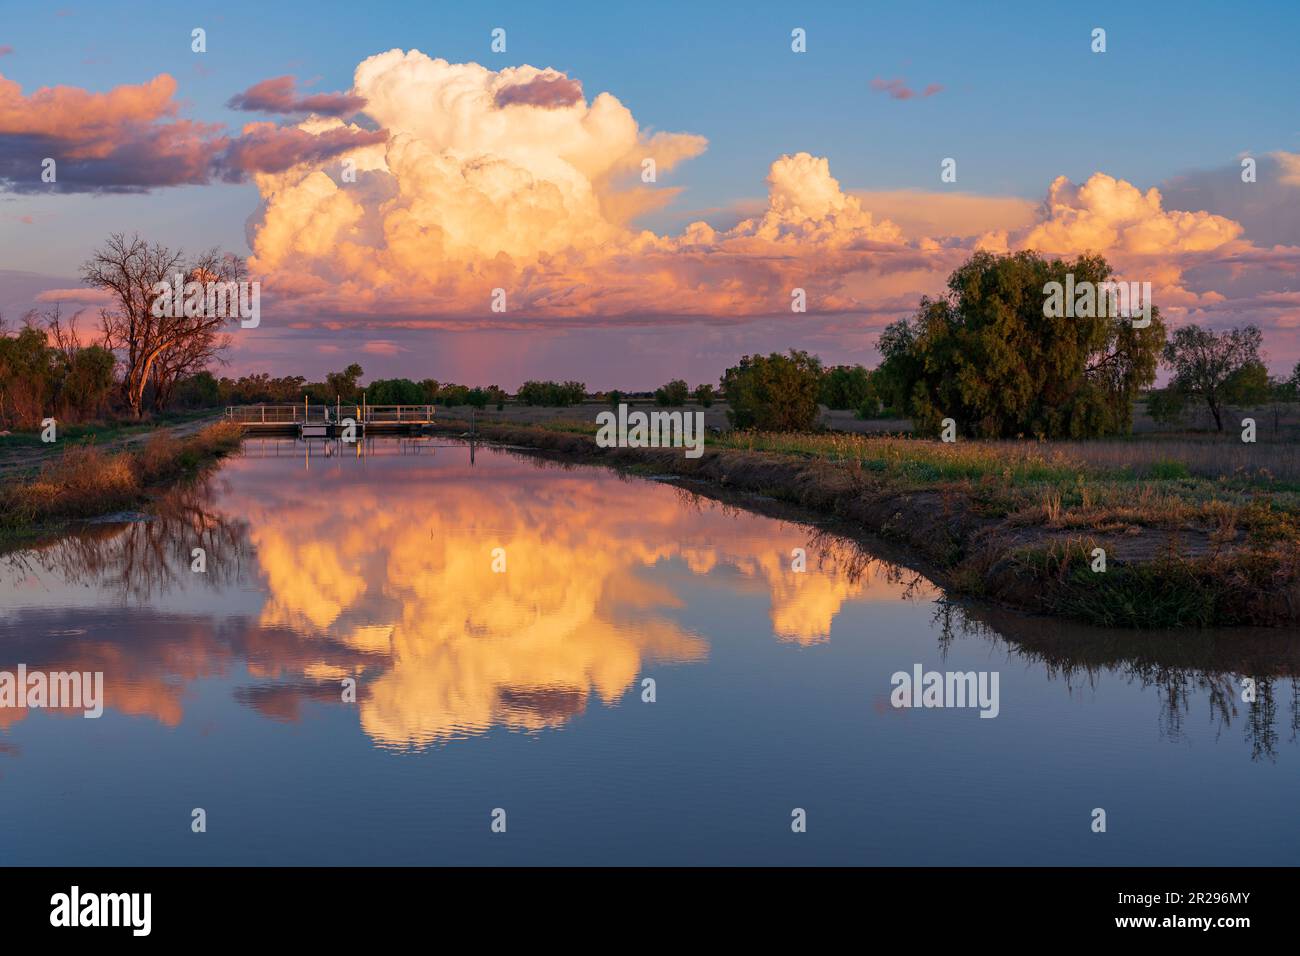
column 983, row 354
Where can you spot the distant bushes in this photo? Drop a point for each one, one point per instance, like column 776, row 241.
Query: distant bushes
column 395, row 391
column 551, row 393
column 675, row 392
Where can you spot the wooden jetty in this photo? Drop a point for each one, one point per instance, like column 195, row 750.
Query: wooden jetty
column 326, row 421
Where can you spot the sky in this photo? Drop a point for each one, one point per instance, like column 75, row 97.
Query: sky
column 523, row 170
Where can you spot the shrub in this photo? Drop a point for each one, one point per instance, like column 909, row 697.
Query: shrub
column 551, row 393
column 1165, row 405
column 394, row 391
column 1166, row 469
column 774, row 392
column 845, row 386
column 675, row 392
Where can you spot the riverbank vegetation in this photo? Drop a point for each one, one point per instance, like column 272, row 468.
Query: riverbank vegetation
column 85, row 481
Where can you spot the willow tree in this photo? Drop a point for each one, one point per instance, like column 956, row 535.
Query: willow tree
column 990, row 356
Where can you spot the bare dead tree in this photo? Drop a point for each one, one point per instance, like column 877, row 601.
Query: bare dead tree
column 63, row 332
column 201, row 342
column 156, row 345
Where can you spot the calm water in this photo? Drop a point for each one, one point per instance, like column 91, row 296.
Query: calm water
column 522, row 690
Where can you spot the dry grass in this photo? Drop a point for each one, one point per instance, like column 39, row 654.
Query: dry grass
column 1242, row 494
column 1033, row 461
column 1200, row 457
column 84, row 481
column 920, row 460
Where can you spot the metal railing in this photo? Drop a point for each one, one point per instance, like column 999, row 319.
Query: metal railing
column 313, row 414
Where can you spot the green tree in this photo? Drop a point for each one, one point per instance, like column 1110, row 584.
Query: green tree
column 551, row 393
column 675, row 392
column 27, row 377
column 989, row 358
column 343, row 385
column 394, row 391
column 1212, row 366
column 453, row 396
column 200, row 390
column 704, row 395
column 1248, row 385
column 896, row 377
column 845, row 386
column 1165, row 405
column 573, row 393
column 774, row 392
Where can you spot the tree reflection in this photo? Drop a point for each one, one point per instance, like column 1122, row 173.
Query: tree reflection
column 139, row 561
column 1179, row 666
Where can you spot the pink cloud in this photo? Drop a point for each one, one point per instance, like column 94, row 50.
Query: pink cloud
column 277, row 95
column 82, row 295
column 547, row 90
column 899, row 90
column 382, row 348
column 129, row 140
column 265, row 147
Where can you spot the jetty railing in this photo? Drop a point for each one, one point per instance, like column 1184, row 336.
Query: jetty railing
column 314, row 414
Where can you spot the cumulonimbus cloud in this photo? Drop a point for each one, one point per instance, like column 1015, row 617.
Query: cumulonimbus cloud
column 512, row 179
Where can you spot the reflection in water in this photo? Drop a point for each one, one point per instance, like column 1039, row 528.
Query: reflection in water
column 1182, row 667
column 392, row 583
column 348, row 567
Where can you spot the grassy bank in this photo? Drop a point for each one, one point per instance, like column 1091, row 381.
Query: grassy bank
column 1186, row 544
column 86, row 481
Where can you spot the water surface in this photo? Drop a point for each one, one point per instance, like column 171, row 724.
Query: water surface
column 522, row 689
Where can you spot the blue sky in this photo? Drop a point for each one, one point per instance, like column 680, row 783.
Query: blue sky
column 1182, row 85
